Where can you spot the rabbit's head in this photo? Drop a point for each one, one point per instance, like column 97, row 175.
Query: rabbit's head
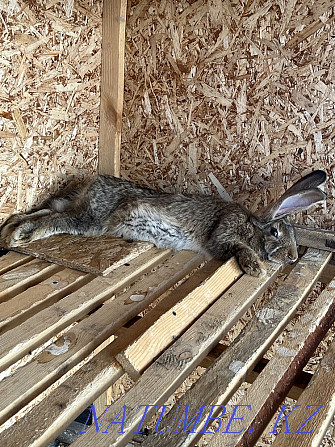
column 277, row 234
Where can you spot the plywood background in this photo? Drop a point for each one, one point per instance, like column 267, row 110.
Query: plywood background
column 241, row 89
column 49, row 92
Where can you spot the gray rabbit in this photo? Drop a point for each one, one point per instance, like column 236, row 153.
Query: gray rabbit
column 109, row 205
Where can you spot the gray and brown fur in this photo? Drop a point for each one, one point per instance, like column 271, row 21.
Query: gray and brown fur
column 109, row 205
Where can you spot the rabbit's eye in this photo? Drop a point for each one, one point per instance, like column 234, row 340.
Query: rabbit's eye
column 274, row 231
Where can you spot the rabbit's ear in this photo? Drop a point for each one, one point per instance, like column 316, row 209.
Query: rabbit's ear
column 309, row 181
column 302, row 195
column 294, row 203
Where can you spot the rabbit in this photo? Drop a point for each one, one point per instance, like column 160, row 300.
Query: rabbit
column 205, row 224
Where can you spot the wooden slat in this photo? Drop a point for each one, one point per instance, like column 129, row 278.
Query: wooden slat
column 112, row 82
column 36, row 298
column 11, row 260
column 321, row 391
column 39, row 328
column 222, row 379
column 282, row 366
column 64, row 404
column 169, row 326
column 301, row 381
column 29, row 380
column 20, row 278
column 329, row 273
column 174, row 365
column 315, row 237
column 98, row 255
column 67, row 401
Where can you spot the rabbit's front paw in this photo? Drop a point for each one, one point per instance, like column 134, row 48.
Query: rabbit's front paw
column 254, row 268
column 251, row 264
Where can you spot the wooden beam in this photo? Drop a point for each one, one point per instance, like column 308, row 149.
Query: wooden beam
column 90, row 332
column 27, row 275
column 37, row 297
column 271, row 386
column 321, row 391
column 170, row 369
column 68, row 400
column 170, row 325
column 12, row 260
column 17, row 342
column 112, row 82
column 315, row 238
column 222, row 379
column 301, row 381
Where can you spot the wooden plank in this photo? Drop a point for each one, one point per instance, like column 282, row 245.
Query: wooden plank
column 98, row 255
column 169, row 326
column 221, row 380
column 68, row 400
column 315, row 237
column 105, row 398
column 174, row 365
column 320, row 391
column 112, row 84
column 53, row 414
column 83, row 338
column 40, row 296
column 329, row 273
column 101, row 401
column 39, row 328
column 266, row 391
column 27, row 275
column 11, row 260
column 300, row 382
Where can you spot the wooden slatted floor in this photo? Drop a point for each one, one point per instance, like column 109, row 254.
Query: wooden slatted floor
column 167, row 312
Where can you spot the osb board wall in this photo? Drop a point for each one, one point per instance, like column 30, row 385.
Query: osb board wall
column 242, row 89
column 49, row 90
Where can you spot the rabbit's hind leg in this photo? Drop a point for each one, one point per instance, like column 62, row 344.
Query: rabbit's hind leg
column 15, row 220
column 56, row 223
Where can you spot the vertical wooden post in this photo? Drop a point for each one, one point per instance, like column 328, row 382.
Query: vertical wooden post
column 112, row 83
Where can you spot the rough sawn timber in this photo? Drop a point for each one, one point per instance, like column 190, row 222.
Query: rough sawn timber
column 267, row 392
column 173, row 366
column 221, row 380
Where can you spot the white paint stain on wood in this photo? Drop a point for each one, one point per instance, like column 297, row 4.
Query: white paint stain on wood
column 286, row 352
column 59, row 350
column 236, row 366
column 137, row 297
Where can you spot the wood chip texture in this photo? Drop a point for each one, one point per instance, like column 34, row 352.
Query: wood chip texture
column 49, row 92
column 241, row 89
column 99, row 255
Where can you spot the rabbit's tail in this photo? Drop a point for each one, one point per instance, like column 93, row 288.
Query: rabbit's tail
column 60, row 204
column 65, row 202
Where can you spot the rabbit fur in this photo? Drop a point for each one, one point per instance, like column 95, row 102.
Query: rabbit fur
column 206, row 224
